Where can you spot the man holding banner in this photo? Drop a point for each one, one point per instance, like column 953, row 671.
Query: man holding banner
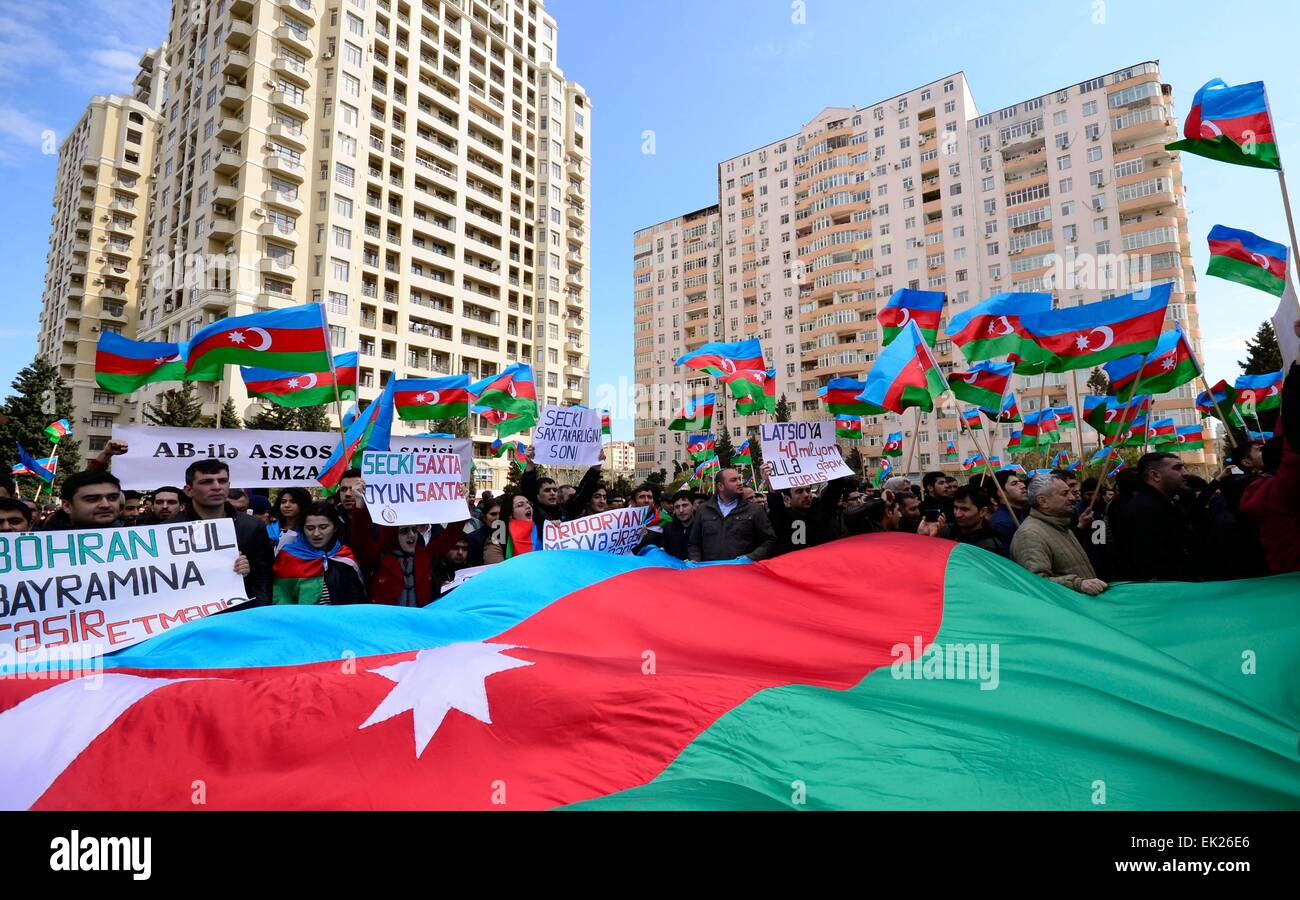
column 728, row 527
column 207, row 485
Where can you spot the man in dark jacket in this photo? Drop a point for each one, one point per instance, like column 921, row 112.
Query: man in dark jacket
column 544, row 493
column 801, row 519
column 677, row 533
column 1270, row 503
column 726, row 527
column 207, row 484
column 1157, row 540
column 972, row 510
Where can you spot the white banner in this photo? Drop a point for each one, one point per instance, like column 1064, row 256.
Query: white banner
column 414, row 488
column 617, row 531
column 567, row 437
column 84, row 593
column 257, row 459
column 802, row 453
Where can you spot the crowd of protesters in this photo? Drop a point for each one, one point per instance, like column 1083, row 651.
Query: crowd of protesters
column 1158, row 522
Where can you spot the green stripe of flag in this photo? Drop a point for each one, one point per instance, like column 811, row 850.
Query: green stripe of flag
column 1246, row 273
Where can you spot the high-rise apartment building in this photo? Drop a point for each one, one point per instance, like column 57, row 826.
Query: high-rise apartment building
column 1071, row 192
column 93, row 279
column 421, row 167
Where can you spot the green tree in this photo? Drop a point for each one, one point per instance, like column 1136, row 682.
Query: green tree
column 723, row 447
column 660, row 477
column 622, row 486
column 39, row 396
column 313, row 418
column 458, row 426
column 177, row 408
column 854, row 460
column 229, row 416
column 274, row 418
column 1262, row 353
column 1098, row 382
column 783, row 409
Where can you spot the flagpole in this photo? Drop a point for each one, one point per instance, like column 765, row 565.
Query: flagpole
column 1078, row 417
column 988, row 471
column 1290, row 222
column 221, row 400
column 338, row 398
column 911, row 447
column 54, row 467
column 1128, row 419
column 1205, row 383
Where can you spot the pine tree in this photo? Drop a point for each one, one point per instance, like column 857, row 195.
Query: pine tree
column 312, row 418
column 756, row 448
column 659, row 477
column 458, row 426
column 723, row 447
column 854, row 461
column 1098, row 382
column 177, row 409
column 1262, row 354
column 274, row 418
column 229, row 415
column 40, row 396
column 783, row 409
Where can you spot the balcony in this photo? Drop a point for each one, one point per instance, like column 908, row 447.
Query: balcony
column 116, row 227
column 227, row 194
column 286, row 168
column 295, row 39
column 81, row 246
column 236, row 63
column 213, row 300
column 577, row 212
column 233, row 96
column 279, row 267
column 278, row 231
column 239, row 33
column 127, row 185
column 302, row 9
column 286, row 201
column 230, row 129
column 294, row 137
column 223, row 228
column 228, row 162
column 292, row 70
column 295, row 102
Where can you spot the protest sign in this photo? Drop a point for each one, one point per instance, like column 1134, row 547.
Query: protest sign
column 414, row 488
column 160, row 456
column 802, row 453
column 567, row 437
column 462, row 447
column 462, row 576
column 89, row 592
column 617, row 531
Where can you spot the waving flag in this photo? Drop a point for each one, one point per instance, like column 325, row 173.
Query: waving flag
column 45, row 462
column 605, row 424
column 1080, row 337
column 1110, row 417
column 841, row 396
column 1013, row 467
column 1119, row 468
column 518, row 452
column 1015, row 443
column 707, row 469
column 753, row 389
column 294, row 339
column 743, row 455
column 1169, row 365
column 512, row 391
column 971, row 419
column 1010, row 411
column 1041, row 429
column 925, row 308
column 905, row 375
column 893, row 444
column 1060, row 459
column 972, row 462
column 57, row 431
column 371, row 431
column 34, row 467
column 350, row 416
column 1247, row 259
column 304, row 389
column 984, row 385
column 992, row 327
column 697, row 415
column 883, row 471
column 1065, row 417
column 123, row 365
column 1136, row 433
column 1231, row 124
column 419, row 399
column 1162, row 431
column 849, row 427
column 726, row 359
column 1259, row 393
column 506, row 423
column 699, row 446
column 950, row 450
column 1103, row 453
column 1259, row 436
column 1222, row 394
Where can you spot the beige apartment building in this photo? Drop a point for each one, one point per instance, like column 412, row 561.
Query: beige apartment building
column 1071, row 191
column 620, row 459
column 421, row 167
column 93, row 278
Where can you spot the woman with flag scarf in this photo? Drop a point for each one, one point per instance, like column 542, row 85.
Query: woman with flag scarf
column 291, row 506
column 315, row 567
column 518, row 535
column 398, row 562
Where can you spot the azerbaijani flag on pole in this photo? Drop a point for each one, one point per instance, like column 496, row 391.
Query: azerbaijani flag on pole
column 1231, row 124
column 1010, row 411
column 743, row 455
column 882, row 472
column 841, row 396
column 123, row 365
column 753, row 389
column 972, row 462
column 1016, row 441
column 696, row 415
column 700, row 446
column 506, row 423
column 371, row 430
column 1222, row 394
column 984, row 385
column 57, row 431
column 849, row 427
column 1080, row 337
column 294, row 339
column 45, row 462
column 893, row 444
column 1136, row 434
column 512, row 391
column 726, row 359
column 1169, row 365
column 905, row 374
column 925, row 308
column 418, row 399
column 605, row 424
column 1163, row 430
column 1247, row 259
column 43, row 472
column 1259, row 393
column 1108, row 416
column 309, row 389
column 992, row 327
column 1065, row 417
column 950, row 450
column 1041, row 429
column 518, row 452
column 971, row 419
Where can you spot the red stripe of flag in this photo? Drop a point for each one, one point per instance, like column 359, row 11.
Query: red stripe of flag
column 112, row 364
column 1129, row 331
column 1235, row 250
column 283, row 340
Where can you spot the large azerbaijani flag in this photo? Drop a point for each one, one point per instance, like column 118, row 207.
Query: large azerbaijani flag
column 291, row 340
column 841, row 396
column 1231, row 124
column 1169, row 365
column 984, row 385
column 1259, row 393
column 992, row 327
column 512, row 390
column 1248, row 259
column 304, row 388
column 724, row 358
column 1080, row 337
column 446, row 397
column 925, row 308
column 753, row 389
column 905, row 374
column 123, row 365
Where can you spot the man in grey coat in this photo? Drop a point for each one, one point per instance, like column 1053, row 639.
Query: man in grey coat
column 728, row 526
column 1045, row 544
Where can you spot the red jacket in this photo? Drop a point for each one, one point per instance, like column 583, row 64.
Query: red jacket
column 376, row 551
column 1273, row 505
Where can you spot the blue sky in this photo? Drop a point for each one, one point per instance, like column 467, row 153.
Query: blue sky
column 712, row 78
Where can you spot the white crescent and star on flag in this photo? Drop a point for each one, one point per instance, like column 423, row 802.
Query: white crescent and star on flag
column 1084, row 341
